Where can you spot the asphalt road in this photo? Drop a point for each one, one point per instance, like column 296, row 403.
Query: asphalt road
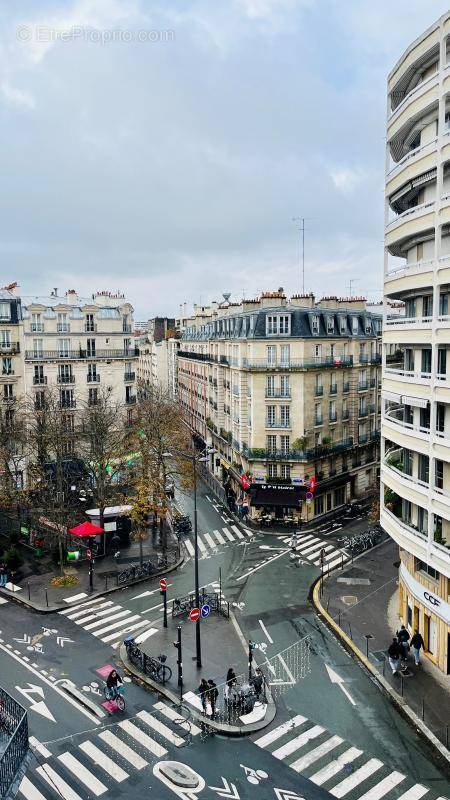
column 363, row 739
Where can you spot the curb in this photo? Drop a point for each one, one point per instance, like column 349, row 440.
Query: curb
column 398, row 701
column 228, row 730
column 22, row 601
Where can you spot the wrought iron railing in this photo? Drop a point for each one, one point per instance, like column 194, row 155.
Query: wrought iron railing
column 14, row 724
column 216, row 602
column 154, row 564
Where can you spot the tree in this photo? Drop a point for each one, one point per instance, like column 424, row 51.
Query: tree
column 12, row 452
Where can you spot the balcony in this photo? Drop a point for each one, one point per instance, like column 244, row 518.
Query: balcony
column 408, row 375
column 278, row 424
column 332, row 417
column 333, row 388
column 318, row 391
column 345, row 415
column 63, row 327
column 39, row 380
column 75, row 355
column 37, row 327
column 363, row 412
column 321, row 451
column 277, row 393
column 298, row 364
column 345, row 388
column 128, row 376
column 90, row 327
column 9, row 398
column 406, row 529
column 93, row 378
column 65, row 379
column 363, row 438
column 69, row 403
column 363, row 386
column 11, row 348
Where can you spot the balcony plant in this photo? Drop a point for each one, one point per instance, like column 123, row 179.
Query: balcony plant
column 326, row 441
column 300, row 443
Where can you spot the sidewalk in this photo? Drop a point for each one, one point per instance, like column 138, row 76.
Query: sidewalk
column 35, row 590
column 223, row 645
column 362, row 600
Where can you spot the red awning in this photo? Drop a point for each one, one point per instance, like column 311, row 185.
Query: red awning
column 86, row 529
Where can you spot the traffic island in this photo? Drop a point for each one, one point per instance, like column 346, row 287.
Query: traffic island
column 237, row 710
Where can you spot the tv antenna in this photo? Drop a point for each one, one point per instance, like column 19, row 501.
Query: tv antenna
column 301, row 227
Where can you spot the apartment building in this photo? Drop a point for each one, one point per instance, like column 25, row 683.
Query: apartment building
column 11, row 346
column 415, row 440
column 81, row 347
column 286, row 390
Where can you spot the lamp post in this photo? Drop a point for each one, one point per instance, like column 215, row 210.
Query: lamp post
column 194, row 461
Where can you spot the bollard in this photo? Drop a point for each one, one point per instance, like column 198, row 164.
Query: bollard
column 342, row 561
column 423, row 710
column 28, row 587
column 117, row 576
column 401, row 685
column 106, row 582
column 384, row 667
column 328, row 603
column 446, row 736
column 46, row 597
column 350, row 629
column 339, row 618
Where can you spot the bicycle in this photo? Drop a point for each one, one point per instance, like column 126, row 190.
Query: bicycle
column 115, row 695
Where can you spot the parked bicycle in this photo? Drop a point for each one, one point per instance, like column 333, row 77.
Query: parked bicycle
column 155, row 668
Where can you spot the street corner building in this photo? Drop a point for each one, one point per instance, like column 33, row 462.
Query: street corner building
column 415, row 441
column 287, row 393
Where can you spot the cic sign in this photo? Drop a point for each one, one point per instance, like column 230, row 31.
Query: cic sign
column 435, row 604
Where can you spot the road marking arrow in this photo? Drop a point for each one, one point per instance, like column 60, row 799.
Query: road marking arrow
column 38, row 706
column 335, row 678
column 287, row 794
column 32, row 689
column 227, row 790
column 26, row 639
column 61, row 639
column 42, row 709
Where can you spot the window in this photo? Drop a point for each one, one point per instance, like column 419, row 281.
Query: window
column 284, row 386
column 65, row 373
column 318, row 414
column 89, row 325
column 339, row 496
column 270, row 386
column 5, row 310
column 285, row 354
column 421, row 566
column 277, row 324
column 442, row 361
column 8, row 391
column 93, row 397
column 333, row 415
column 315, row 322
column 5, row 338
column 36, row 323
column 63, row 325
column 127, row 346
column 422, row 520
column 270, row 416
column 425, row 418
column 424, row 465
column 39, row 401
column 272, row 471
column 439, row 474
column 66, row 399
column 92, row 373
column 332, row 352
column 64, row 348
column 285, row 444
column 285, row 416
column 409, row 359
column 90, row 347
column 427, row 306
column 368, row 325
column 7, row 366
column 330, row 324
column 426, row 360
column 333, row 385
column 286, row 471
column 343, row 324
column 407, row 462
column 440, row 417
column 355, row 326
column 410, row 308
column 319, row 387
column 318, row 505
column 271, row 354
column 443, row 304
column 38, row 377
column 271, row 445
column 317, row 351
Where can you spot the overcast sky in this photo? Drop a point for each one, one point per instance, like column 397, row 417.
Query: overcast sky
column 169, row 163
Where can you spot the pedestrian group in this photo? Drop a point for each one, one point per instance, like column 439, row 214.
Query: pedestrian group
column 399, row 649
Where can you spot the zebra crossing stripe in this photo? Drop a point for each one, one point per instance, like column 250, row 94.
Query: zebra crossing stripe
column 91, row 610
column 307, row 551
column 335, row 766
column 210, row 540
column 116, row 625
column 228, row 534
column 56, row 782
column 174, row 716
column 357, row 777
column 99, row 622
column 75, row 597
column 298, row 742
column 415, row 793
column 305, row 547
column 201, row 546
column 189, row 547
column 122, row 749
column 146, row 635
column 278, row 732
column 28, row 790
column 305, row 761
column 117, row 634
column 161, row 728
column 236, row 530
column 143, row 739
column 335, row 563
column 3, row 601
column 68, row 611
column 219, row 537
column 41, row 748
column 82, row 774
column 383, row 787
column 105, row 762
column 92, row 614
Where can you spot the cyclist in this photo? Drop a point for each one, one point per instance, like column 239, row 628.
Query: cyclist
column 112, row 683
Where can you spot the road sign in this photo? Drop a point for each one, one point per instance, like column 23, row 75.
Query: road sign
column 309, row 495
column 194, row 614
column 163, row 584
column 88, row 554
column 205, row 610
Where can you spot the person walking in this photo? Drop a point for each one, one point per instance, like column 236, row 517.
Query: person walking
column 416, row 643
column 403, row 639
column 231, row 677
column 203, row 690
column 258, row 682
column 3, row 574
column 213, row 695
column 394, row 654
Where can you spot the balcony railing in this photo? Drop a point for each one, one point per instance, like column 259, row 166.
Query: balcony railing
column 278, row 393
column 40, row 380
column 14, row 726
column 10, row 347
column 73, row 355
column 332, row 417
column 67, row 403
column 346, row 415
column 91, row 378
column 333, row 388
column 63, row 327
column 363, row 412
column 126, row 328
column 129, row 376
column 318, row 392
column 90, row 327
column 278, row 424
column 321, row 451
column 65, row 379
column 406, row 528
column 37, row 327
column 131, row 401
column 345, row 388
column 317, row 363
column 362, row 386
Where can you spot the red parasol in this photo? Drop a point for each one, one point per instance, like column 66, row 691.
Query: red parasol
column 86, row 529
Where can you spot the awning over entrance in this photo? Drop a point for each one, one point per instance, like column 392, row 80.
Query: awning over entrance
column 273, row 494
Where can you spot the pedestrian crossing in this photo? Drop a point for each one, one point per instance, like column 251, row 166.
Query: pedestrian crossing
column 332, row 763
column 96, row 765
column 107, row 620
column 310, row 547
column 210, row 542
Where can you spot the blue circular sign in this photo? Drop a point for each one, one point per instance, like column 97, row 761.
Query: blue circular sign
column 206, row 610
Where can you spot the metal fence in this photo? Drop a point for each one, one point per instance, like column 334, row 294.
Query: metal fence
column 154, row 564
column 216, row 602
column 14, row 726
column 155, row 668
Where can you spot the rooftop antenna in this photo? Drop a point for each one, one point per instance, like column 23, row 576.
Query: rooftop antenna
column 301, row 228
column 350, row 285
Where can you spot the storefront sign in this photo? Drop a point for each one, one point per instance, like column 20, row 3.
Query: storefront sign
column 435, row 604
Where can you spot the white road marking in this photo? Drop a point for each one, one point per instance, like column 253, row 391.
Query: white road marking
column 210, row 540
column 84, row 612
column 143, row 739
column 383, row 787
column 415, row 793
column 228, row 534
column 335, row 563
column 146, row 635
column 56, row 782
column 68, row 611
column 105, row 762
column 280, row 730
column 29, row 790
column 75, row 597
column 308, row 551
column 82, row 774
column 13, row 588
column 208, row 498
column 41, row 748
column 265, row 631
column 153, row 608
column 219, row 537
column 299, row 741
column 305, row 761
column 160, row 728
column 98, row 622
column 201, row 545
column 236, row 530
column 335, row 766
column 3, row 601
column 356, row 778
column 260, row 566
column 117, row 634
column 189, row 547
column 116, row 625
column 123, row 749
column 174, row 716
column 288, row 671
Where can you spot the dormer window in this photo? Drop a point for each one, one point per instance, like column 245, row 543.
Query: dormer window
column 278, row 324
column 355, row 326
column 368, row 325
column 330, row 324
column 343, row 325
column 315, row 322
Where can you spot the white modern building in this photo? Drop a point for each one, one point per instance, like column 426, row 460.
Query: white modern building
column 415, row 442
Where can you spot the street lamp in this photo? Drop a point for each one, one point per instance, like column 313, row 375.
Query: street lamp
column 194, row 460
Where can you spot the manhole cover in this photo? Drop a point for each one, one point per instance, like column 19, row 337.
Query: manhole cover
column 349, row 599
column 179, row 774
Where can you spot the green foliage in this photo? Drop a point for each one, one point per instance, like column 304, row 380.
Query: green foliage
column 13, row 558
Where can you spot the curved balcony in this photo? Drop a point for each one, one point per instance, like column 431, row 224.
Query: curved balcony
column 407, row 376
column 413, row 57
column 415, row 542
column 413, row 95
column 394, row 423
column 412, row 276
column 410, row 223
column 407, row 486
column 416, row 161
column 420, row 111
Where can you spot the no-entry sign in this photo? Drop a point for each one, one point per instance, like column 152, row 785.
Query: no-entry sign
column 163, row 584
column 194, row 614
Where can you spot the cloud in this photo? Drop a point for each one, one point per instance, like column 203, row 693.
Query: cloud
column 346, row 179
column 16, row 97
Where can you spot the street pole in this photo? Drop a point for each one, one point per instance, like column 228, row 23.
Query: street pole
column 165, row 608
column 198, row 647
column 91, row 576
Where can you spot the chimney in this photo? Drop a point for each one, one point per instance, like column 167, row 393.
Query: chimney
column 302, row 300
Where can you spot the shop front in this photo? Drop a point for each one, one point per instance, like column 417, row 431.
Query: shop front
column 276, row 502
